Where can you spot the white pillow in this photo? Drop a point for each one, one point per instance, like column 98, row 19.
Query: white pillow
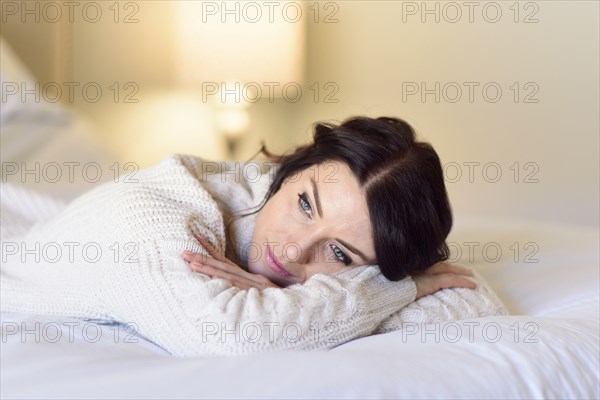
column 15, row 76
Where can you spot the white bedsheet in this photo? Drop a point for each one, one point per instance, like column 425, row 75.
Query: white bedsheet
column 548, row 348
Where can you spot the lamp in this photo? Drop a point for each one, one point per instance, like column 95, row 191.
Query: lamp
column 236, row 53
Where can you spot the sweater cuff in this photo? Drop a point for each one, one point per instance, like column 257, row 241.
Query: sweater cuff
column 377, row 294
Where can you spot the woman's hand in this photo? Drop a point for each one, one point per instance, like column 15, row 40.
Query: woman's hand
column 217, row 266
column 441, row 276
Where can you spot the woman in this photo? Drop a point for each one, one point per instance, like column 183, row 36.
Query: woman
column 363, row 193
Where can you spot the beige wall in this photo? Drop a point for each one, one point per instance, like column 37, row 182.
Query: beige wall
column 126, row 51
column 371, row 52
column 370, row 55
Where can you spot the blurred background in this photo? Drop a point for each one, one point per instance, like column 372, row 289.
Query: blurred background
column 507, row 92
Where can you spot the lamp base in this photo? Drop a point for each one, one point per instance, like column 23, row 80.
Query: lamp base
column 232, row 145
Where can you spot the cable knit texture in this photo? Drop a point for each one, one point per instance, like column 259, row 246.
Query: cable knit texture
column 114, row 253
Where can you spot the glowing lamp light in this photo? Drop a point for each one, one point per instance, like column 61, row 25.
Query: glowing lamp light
column 235, row 46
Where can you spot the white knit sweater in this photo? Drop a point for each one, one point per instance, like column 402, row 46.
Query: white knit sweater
column 114, row 253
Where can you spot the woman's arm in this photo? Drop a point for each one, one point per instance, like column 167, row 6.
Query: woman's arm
column 189, row 314
column 439, row 276
column 452, row 304
column 322, row 313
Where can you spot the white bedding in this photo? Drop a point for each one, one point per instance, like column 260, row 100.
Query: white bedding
column 548, row 348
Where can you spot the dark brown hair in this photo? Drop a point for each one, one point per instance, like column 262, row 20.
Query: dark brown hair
column 402, row 180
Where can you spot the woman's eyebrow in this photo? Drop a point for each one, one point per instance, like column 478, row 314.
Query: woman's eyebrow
column 352, row 249
column 319, row 211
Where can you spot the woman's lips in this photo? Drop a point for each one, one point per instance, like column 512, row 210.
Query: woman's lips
column 274, row 263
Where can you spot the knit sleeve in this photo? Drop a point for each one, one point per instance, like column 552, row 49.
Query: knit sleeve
column 189, row 314
column 446, row 305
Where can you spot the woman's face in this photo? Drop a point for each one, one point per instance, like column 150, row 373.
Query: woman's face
column 318, row 222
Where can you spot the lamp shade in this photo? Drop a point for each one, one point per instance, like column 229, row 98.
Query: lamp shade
column 240, row 42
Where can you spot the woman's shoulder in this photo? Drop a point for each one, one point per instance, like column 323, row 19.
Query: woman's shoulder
column 235, row 185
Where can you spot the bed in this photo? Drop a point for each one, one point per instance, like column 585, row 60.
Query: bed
column 546, row 274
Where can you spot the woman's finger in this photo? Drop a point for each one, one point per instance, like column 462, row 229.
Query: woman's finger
column 239, row 281
column 236, row 271
column 190, row 256
column 450, row 280
column 444, row 267
column 430, row 283
column 209, row 248
column 213, row 272
column 225, row 264
column 227, row 270
column 212, row 251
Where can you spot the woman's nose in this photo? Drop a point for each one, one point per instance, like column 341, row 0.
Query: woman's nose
column 303, row 248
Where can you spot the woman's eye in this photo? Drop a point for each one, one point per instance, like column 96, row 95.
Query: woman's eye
column 303, row 204
column 306, row 209
column 339, row 254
